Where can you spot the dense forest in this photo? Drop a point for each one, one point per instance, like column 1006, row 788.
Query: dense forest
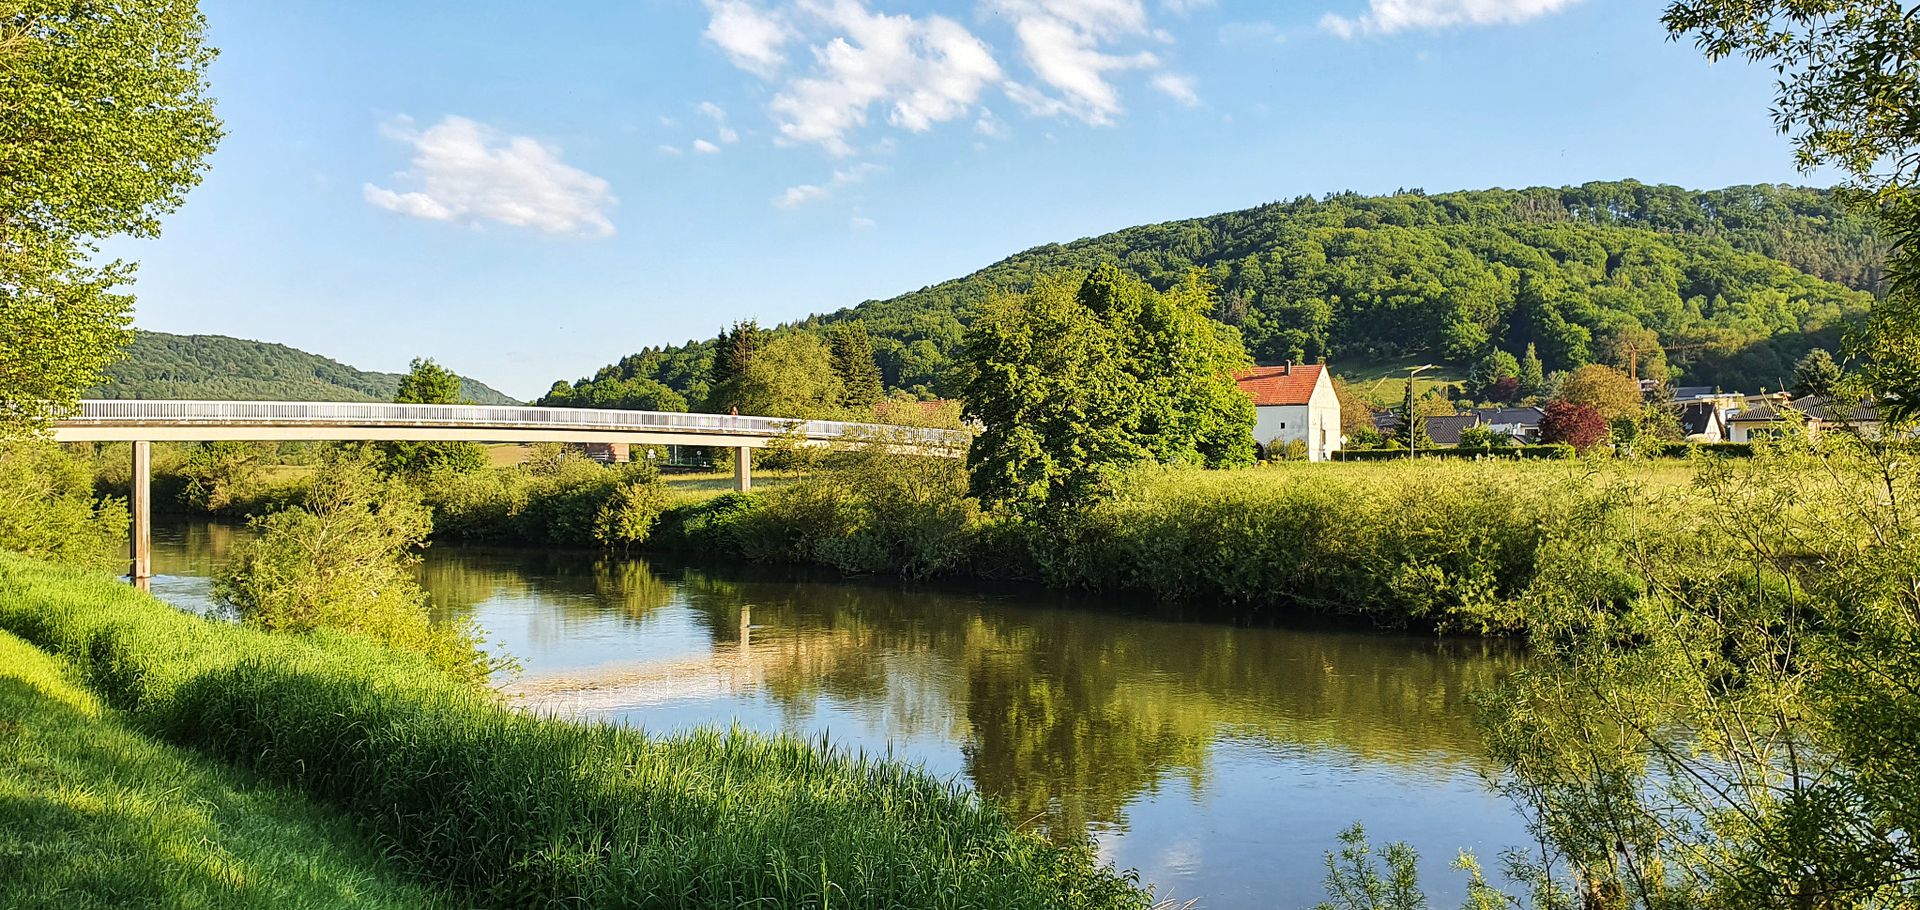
column 215, row 367
column 1725, row 287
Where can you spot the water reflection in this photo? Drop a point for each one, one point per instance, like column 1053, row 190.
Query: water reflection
column 1219, row 761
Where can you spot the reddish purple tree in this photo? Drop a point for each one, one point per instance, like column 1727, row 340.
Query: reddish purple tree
column 1577, row 425
column 1504, row 389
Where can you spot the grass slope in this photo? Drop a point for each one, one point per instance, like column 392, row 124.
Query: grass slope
column 93, row 814
column 523, row 811
column 216, row 367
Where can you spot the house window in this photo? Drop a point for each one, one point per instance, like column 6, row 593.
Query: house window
column 1283, row 424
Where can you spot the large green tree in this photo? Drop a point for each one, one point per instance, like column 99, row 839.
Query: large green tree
column 854, row 363
column 105, row 123
column 1079, row 378
column 733, row 353
column 428, row 382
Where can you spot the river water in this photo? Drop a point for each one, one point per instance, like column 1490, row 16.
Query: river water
column 1221, row 762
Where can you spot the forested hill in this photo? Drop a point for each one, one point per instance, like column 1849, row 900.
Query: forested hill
column 1736, row 283
column 159, row 365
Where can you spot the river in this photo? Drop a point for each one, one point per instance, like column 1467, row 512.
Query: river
column 1219, row 761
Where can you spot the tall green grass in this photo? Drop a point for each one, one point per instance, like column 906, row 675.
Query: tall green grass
column 522, row 811
column 94, row 815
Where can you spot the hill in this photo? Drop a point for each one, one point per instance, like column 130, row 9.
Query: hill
column 1737, row 282
column 216, row 367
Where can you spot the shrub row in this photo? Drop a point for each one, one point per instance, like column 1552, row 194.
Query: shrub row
column 1551, row 451
column 522, row 811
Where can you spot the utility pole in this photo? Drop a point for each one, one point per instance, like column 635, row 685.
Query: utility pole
column 1413, row 431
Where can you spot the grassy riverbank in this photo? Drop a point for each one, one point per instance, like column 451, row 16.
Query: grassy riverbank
column 95, row 815
column 514, row 810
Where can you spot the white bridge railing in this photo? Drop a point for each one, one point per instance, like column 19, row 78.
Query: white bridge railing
column 151, row 412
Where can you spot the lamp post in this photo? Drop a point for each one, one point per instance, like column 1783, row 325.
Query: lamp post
column 1413, row 432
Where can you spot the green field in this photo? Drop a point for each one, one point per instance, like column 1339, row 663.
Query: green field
column 1385, row 381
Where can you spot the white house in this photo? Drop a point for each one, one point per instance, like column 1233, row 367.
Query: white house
column 1294, row 402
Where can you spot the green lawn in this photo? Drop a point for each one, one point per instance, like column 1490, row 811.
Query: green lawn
column 93, row 814
column 1385, row 381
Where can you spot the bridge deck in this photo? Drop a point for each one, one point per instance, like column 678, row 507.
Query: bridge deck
column 153, row 420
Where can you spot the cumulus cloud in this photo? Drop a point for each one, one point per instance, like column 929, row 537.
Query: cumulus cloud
column 814, row 192
column 753, row 38
column 1384, row 17
column 1063, row 42
column 919, row 72
column 704, row 147
column 471, row 173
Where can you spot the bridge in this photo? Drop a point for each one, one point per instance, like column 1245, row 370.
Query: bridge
column 144, row 422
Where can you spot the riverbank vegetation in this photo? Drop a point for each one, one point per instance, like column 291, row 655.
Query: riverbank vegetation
column 512, row 809
column 98, row 815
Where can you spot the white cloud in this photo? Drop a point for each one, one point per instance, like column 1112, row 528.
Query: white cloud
column 469, row 172
column 921, row 72
column 718, row 115
column 669, row 150
column 990, row 126
column 862, row 223
column 1062, row 41
column 1183, row 7
column 751, row 37
column 797, row 195
column 704, row 147
column 1384, row 17
column 1178, row 87
column 813, row 192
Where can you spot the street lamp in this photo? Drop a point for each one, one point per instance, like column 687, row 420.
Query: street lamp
column 1413, row 432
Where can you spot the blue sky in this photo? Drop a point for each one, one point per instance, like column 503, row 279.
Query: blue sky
column 528, row 191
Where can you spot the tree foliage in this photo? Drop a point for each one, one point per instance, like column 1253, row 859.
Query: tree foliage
column 1756, row 275
column 1606, row 390
column 1081, row 377
column 219, row 368
column 430, row 383
column 852, row 351
column 1573, row 423
column 105, row 123
column 343, row 560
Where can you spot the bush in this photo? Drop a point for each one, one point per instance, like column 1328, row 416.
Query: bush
column 557, row 498
column 866, row 509
column 344, row 561
column 525, row 811
column 48, row 509
column 1437, row 544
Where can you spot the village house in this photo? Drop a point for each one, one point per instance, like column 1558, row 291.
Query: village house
column 1703, row 421
column 1819, row 413
column 1294, row 402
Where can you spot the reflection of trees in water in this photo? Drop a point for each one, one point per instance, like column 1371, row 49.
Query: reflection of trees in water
column 573, row 585
column 1068, row 715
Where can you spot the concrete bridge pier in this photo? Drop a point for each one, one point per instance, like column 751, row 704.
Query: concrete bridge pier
column 743, row 469
column 141, row 501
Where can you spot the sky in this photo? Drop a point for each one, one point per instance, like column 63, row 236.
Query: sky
column 526, row 192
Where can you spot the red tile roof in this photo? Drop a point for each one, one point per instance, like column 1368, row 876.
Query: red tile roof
column 1280, row 386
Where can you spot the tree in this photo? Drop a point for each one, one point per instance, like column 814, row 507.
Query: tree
column 732, row 354
column 1849, row 92
column 1488, row 372
column 1356, row 412
column 1575, row 424
column 1075, row 380
column 1532, row 375
column 1604, row 389
column 791, row 375
column 427, row 382
column 105, row 124
column 1816, row 374
column 853, row 362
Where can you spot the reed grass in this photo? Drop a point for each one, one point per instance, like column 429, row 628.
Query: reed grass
column 524, row 811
